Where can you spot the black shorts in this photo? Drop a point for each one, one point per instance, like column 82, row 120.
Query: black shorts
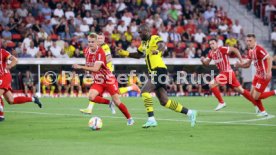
column 160, row 78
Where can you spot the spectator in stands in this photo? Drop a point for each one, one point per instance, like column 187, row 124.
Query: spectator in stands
column 237, row 29
column 199, row 36
column 6, row 34
column 55, row 50
column 132, row 48
column 58, row 11
column 12, row 26
column 60, row 27
column 171, row 87
column 42, row 35
column 231, row 41
column 69, row 49
column 84, row 27
column 69, row 14
column 268, row 8
column 209, row 13
column 63, row 54
column 178, row 51
column 190, row 51
column 164, row 34
column 48, row 43
column 22, row 11
column 273, row 39
column 173, row 14
column 28, row 82
column 46, row 11
column 75, row 83
column 174, row 36
column 32, row 50
column 27, row 42
column 78, row 54
column 46, row 25
column 88, row 18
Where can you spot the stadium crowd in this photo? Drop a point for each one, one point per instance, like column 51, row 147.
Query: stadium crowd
column 55, row 28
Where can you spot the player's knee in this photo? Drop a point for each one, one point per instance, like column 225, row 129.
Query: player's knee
column 92, row 97
column 255, row 97
column 10, row 100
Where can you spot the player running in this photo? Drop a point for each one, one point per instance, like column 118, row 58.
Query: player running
column 153, row 47
column 122, row 90
column 226, row 75
column 104, row 80
column 5, row 84
column 263, row 64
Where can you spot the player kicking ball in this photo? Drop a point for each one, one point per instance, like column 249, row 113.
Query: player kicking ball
column 122, row 90
column 263, row 64
column 104, row 80
column 226, row 75
column 152, row 48
column 5, row 84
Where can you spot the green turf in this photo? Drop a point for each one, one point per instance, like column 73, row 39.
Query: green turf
column 59, row 128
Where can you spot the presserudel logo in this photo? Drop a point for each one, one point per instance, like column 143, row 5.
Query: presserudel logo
column 181, row 77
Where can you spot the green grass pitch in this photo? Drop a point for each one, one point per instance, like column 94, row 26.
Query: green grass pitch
column 60, row 129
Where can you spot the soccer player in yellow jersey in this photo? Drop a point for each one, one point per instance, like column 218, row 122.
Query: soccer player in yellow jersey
column 152, row 48
column 122, row 90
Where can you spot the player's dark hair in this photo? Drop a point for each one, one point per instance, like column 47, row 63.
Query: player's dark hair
column 251, row 35
column 212, row 39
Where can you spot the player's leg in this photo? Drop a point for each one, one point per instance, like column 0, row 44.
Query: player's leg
column 246, row 94
column 123, row 108
column 133, row 87
column 26, row 89
column 79, row 90
column 52, row 90
column 33, row 90
column 148, row 103
column 2, row 117
column 162, row 96
column 21, row 99
column 214, row 88
column 258, row 87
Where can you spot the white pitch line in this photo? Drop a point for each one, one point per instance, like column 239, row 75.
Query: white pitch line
column 238, row 122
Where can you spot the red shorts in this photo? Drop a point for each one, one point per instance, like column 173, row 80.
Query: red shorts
column 227, row 78
column 5, row 82
column 111, row 87
column 260, row 84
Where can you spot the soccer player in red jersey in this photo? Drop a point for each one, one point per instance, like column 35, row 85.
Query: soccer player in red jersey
column 5, row 83
column 220, row 55
column 263, row 64
column 104, row 80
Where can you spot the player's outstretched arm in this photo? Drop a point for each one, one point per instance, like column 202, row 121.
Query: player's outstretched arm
column 236, row 52
column 205, row 61
column 244, row 64
column 125, row 53
column 13, row 60
column 95, row 68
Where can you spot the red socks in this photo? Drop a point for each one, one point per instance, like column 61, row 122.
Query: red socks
column 265, row 95
column 247, row 95
column 216, row 92
column 101, row 100
column 259, row 104
column 21, row 100
column 124, row 110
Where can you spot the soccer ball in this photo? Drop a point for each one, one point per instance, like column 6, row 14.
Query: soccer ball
column 95, row 123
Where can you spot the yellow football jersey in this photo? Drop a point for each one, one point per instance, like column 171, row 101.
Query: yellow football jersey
column 152, row 61
column 107, row 51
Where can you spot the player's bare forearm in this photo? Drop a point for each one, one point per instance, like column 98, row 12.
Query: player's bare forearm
column 245, row 64
column 236, row 52
column 108, row 58
column 162, row 47
column 13, row 60
column 95, row 68
column 269, row 65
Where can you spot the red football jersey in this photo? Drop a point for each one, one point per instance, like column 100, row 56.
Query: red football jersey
column 221, row 58
column 259, row 55
column 4, row 55
column 99, row 56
